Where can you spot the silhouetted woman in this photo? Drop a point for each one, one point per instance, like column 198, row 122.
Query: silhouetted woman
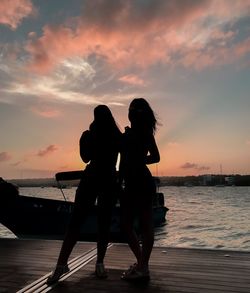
column 99, row 147
column 139, row 149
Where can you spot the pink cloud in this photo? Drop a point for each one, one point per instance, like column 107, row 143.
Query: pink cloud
column 46, row 112
column 12, row 12
column 197, row 59
column 189, row 166
column 222, row 36
column 131, row 33
column 132, row 79
column 242, row 48
column 194, row 166
column 203, row 168
column 50, row 149
column 214, row 54
column 230, row 9
column 4, row 156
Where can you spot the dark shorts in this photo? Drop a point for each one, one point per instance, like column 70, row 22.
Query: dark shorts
column 92, row 188
column 138, row 193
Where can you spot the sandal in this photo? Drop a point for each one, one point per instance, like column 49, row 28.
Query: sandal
column 100, row 271
column 130, row 270
column 132, row 274
column 57, row 273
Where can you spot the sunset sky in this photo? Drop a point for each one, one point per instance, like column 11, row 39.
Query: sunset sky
column 190, row 59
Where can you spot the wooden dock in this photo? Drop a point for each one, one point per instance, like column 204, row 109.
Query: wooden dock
column 25, row 265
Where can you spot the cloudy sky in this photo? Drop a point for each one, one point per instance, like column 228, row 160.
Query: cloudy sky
column 190, row 59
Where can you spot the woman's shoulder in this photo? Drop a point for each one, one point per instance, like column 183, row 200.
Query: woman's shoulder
column 86, row 137
column 85, row 134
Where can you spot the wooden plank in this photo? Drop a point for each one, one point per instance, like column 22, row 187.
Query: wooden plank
column 172, row 269
column 24, row 261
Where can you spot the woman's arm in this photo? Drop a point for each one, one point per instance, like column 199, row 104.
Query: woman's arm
column 153, row 152
column 85, row 146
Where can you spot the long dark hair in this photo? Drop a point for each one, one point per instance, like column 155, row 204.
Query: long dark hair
column 142, row 116
column 104, row 123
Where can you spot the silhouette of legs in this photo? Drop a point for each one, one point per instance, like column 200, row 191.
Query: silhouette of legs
column 71, row 237
column 66, row 249
column 84, row 201
column 147, row 233
column 138, row 201
column 105, row 206
column 128, row 227
column 89, row 189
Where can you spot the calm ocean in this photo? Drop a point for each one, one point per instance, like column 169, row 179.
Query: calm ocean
column 198, row 217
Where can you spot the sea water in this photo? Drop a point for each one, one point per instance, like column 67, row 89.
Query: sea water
column 198, row 217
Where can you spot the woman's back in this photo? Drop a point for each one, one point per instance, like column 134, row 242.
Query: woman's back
column 134, row 151
column 99, row 146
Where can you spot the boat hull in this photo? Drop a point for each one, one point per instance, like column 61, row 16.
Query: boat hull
column 31, row 217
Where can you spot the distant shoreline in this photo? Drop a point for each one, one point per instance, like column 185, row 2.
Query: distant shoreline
column 201, row 180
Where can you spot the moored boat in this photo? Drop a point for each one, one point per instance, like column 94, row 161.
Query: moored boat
column 34, row 217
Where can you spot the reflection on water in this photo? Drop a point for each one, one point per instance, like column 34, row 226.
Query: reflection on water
column 208, row 217
column 202, row 217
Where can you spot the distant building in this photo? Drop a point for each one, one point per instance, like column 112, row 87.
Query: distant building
column 229, row 180
column 207, row 179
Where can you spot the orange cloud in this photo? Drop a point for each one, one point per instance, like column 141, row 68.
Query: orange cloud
column 132, row 35
column 137, row 33
column 12, row 12
column 50, row 149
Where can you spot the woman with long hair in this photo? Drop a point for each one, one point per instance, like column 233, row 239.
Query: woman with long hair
column 99, row 147
column 138, row 150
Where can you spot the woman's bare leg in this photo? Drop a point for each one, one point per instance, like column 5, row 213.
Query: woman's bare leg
column 132, row 238
column 69, row 242
column 147, row 230
column 104, row 222
column 84, row 200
